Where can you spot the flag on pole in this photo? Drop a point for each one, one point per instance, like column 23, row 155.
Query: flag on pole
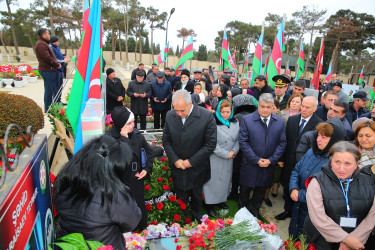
column 319, row 66
column 231, row 61
column 360, row 79
column 274, row 64
column 300, row 63
column 329, row 74
column 166, row 51
column 88, row 77
column 287, row 71
column 161, row 57
column 186, row 54
column 267, row 61
column 226, row 59
column 246, row 65
column 372, row 93
column 257, row 60
column 86, row 13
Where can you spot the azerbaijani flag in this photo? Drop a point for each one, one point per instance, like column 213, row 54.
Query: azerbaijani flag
column 225, row 55
column 329, row 73
column 300, row 63
column 319, row 66
column 161, row 57
column 186, row 54
column 231, row 61
column 257, row 60
column 267, row 61
column 274, row 65
column 360, row 79
column 246, row 65
column 287, row 71
column 234, row 56
column 372, row 93
column 88, row 76
column 86, row 13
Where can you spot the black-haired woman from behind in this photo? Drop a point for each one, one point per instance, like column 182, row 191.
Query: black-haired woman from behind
column 90, row 196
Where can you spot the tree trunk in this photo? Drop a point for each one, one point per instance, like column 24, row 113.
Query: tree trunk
column 335, row 61
column 71, row 43
column 140, row 40
column 13, row 29
column 135, row 51
column 2, row 41
column 113, row 45
column 152, row 41
column 307, row 59
column 119, row 43
column 31, row 41
column 126, row 17
column 64, row 42
column 357, row 67
column 50, row 14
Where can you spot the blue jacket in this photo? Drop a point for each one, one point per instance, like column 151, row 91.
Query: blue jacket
column 309, row 165
column 59, row 56
column 258, row 141
column 161, row 91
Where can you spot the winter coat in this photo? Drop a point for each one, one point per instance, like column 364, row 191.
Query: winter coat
column 134, row 73
column 284, row 101
column 137, row 143
column 217, row 189
column 195, row 140
column 293, row 139
column 258, row 141
column 114, row 89
column 95, row 223
column 151, row 77
column 59, row 56
column 139, row 105
column 189, row 86
column 46, row 57
column 161, row 91
column 354, row 114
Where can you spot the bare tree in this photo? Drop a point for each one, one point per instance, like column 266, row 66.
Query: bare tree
column 8, row 3
column 184, row 33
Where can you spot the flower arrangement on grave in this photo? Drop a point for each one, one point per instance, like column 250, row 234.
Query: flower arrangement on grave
column 58, row 111
column 161, row 203
column 301, row 244
column 18, row 78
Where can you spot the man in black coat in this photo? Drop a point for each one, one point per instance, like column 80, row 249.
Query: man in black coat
column 296, row 126
column 329, row 98
column 358, row 107
column 189, row 137
column 141, row 67
column 260, row 86
column 185, row 82
column 115, row 91
column 139, row 91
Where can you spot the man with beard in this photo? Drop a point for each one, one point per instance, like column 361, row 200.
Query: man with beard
column 185, row 82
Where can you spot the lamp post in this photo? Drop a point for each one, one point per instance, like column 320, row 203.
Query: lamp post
column 166, row 34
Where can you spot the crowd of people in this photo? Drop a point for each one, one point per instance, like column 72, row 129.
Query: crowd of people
column 227, row 140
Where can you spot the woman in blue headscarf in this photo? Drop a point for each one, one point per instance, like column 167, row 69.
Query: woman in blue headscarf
column 217, row 189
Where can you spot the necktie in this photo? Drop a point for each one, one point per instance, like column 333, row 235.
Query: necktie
column 301, row 126
column 265, row 121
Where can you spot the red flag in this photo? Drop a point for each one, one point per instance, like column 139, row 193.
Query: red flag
column 319, row 66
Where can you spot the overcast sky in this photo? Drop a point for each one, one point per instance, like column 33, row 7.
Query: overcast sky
column 207, row 17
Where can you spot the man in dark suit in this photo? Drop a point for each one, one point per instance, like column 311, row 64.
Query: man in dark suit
column 296, row 126
column 115, row 91
column 189, row 137
column 141, row 67
column 262, row 141
column 185, row 82
column 260, row 86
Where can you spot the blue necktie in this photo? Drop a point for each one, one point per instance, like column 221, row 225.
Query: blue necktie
column 301, row 126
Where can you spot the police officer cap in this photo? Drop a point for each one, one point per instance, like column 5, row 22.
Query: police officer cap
column 280, row 80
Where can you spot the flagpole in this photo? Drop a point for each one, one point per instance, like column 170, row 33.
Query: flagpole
column 316, row 73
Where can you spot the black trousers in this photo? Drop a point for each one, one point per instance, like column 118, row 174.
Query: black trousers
column 143, row 121
column 288, row 202
column 236, row 173
column 195, row 203
column 157, row 115
column 256, row 200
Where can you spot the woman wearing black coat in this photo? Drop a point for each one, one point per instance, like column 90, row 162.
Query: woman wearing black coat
column 123, row 131
column 101, row 209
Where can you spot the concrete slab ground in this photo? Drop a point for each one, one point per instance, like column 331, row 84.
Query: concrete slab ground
column 35, row 91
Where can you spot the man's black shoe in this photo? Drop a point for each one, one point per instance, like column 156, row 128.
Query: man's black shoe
column 283, row 215
column 211, row 210
column 223, row 205
column 268, row 202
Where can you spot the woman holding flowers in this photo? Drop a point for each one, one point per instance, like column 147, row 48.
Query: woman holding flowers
column 216, row 190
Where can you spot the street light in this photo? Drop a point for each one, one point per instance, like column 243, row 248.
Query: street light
column 166, row 34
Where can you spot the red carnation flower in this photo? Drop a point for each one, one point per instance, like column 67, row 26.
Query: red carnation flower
column 148, row 207
column 147, row 187
column 187, row 220
column 172, row 198
column 179, row 202
column 166, row 187
column 176, row 240
column 163, row 159
column 154, row 222
column 179, row 247
column 183, row 206
column 160, row 206
column 170, row 179
column 176, row 217
column 62, row 112
column 160, row 179
column 202, row 197
column 297, row 244
column 165, row 168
